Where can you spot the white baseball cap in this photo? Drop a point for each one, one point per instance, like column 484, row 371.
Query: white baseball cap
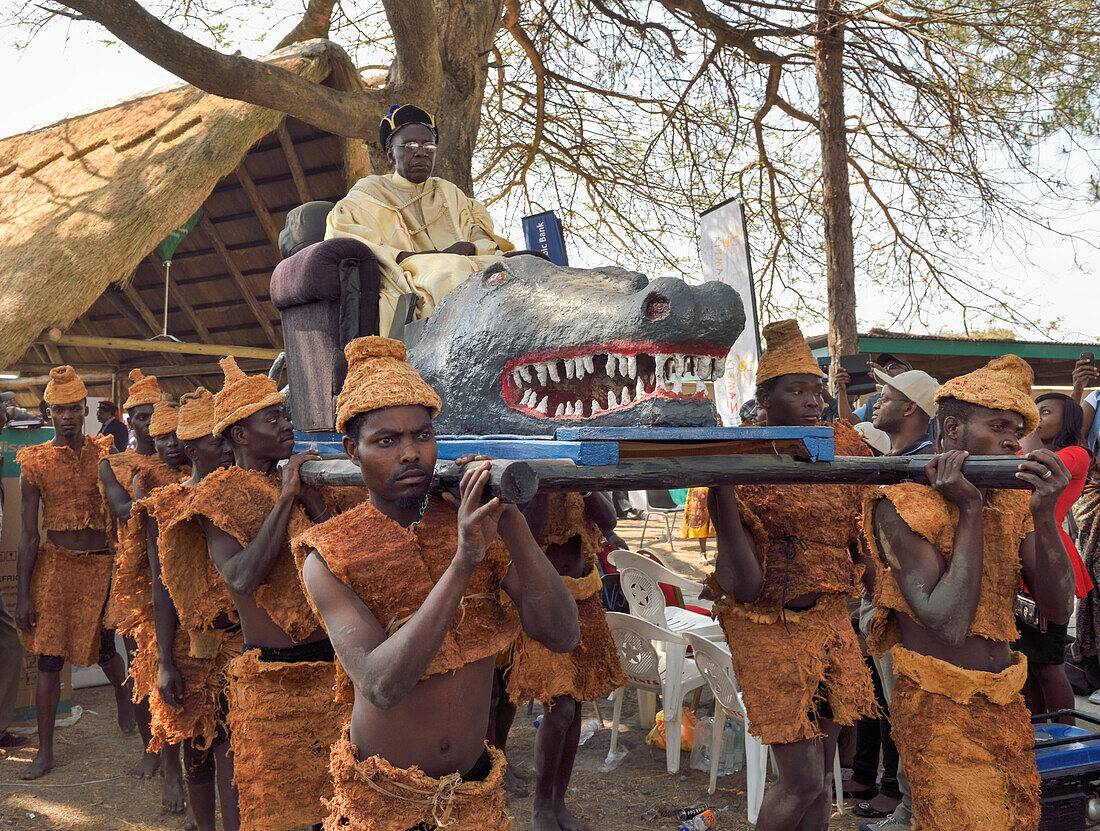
column 874, row 437
column 916, row 385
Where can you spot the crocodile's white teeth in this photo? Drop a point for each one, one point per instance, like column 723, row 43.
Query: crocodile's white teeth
column 596, row 408
column 704, row 365
column 621, row 379
column 719, row 367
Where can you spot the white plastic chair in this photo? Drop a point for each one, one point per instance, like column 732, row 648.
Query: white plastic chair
column 648, row 672
column 713, row 661
column 639, row 577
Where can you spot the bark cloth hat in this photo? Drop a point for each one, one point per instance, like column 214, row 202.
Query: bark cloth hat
column 65, row 386
column 165, row 416
column 1002, row 384
column 144, row 389
column 787, row 353
column 242, row 395
column 196, row 415
column 379, row 376
column 399, row 116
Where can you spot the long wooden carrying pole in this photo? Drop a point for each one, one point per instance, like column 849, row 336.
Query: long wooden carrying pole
column 519, row 481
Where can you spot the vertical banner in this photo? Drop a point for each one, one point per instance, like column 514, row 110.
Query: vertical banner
column 543, row 232
column 724, row 253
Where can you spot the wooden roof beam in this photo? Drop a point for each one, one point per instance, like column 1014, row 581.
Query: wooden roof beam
column 166, row 347
column 257, row 203
column 146, row 315
column 293, row 162
column 127, row 313
column 154, row 324
column 258, row 312
column 209, row 368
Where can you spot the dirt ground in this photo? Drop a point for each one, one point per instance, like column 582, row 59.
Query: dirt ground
column 91, row 791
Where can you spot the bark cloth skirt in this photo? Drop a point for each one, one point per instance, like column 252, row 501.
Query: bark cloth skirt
column 204, row 685
column 283, row 721
column 590, row 671
column 966, row 742
column 372, row 795
column 69, row 590
column 788, row 664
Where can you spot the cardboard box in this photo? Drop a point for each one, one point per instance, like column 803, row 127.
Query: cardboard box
column 10, row 442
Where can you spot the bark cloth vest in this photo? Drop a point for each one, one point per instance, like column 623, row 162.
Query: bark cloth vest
column 197, row 590
column 132, row 589
column 392, row 570
column 238, row 502
column 69, row 484
column 69, row 589
column 803, row 534
column 1006, row 520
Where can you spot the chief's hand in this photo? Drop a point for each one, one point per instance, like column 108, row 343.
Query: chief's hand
column 463, row 248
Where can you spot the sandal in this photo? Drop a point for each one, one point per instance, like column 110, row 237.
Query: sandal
column 867, row 811
column 879, row 807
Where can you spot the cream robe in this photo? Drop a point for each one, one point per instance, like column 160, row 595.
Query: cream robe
column 391, row 214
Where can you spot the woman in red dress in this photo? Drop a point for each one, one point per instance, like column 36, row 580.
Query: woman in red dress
column 1048, row 689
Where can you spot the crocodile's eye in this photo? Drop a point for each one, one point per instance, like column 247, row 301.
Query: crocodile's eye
column 497, row 279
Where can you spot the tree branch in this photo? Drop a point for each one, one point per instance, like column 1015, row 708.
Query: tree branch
column 234, row 76
column 418, row 65
column 314, row 23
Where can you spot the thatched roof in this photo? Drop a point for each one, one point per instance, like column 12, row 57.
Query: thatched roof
column 85, row 202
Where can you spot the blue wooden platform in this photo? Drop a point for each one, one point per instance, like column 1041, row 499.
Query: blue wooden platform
column 497, row 447
column 818, row 440
column 594, row 445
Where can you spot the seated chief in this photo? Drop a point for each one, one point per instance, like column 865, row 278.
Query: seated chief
column 427, row 234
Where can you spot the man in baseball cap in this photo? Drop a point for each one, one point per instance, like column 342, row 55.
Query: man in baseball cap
column 904, row 410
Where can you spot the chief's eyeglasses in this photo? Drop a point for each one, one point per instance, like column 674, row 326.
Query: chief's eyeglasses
column 414, row 146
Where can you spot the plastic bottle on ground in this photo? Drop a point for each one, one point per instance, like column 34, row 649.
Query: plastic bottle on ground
column 588, row 730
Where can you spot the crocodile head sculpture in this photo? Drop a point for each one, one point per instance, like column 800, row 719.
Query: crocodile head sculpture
column 526, row 346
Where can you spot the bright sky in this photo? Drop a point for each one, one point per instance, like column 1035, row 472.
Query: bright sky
column 68, row 69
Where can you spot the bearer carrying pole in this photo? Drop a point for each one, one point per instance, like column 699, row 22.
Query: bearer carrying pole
column 518, row 481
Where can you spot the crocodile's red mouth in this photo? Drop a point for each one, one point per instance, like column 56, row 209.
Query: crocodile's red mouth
column 586, row 381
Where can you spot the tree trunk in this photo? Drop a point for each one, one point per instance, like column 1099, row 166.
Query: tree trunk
column 839, row 249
